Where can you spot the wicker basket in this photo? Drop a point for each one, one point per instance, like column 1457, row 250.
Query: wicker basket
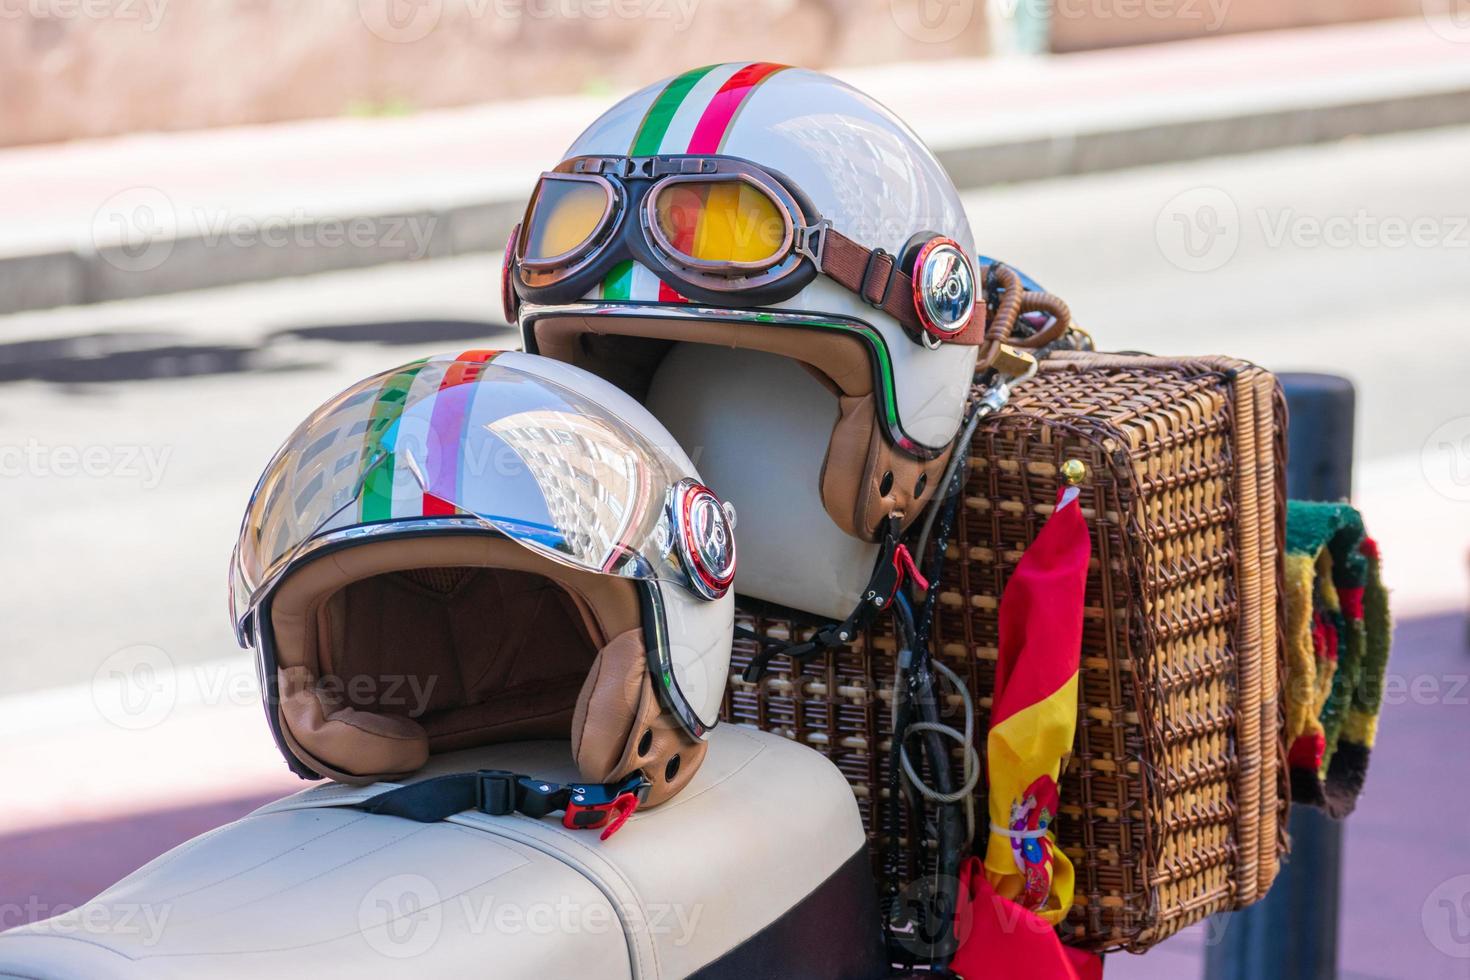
column 1174, row 800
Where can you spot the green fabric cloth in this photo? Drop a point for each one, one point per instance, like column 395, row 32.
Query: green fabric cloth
column 1345, row 602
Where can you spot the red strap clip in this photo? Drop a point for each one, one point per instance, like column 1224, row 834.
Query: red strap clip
column 610, row 816
column 903, row 563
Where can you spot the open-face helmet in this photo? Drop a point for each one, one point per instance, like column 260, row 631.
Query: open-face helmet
column 486, row 547
column 784, row 214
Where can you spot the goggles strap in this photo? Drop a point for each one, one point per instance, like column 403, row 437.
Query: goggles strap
column 876, row 276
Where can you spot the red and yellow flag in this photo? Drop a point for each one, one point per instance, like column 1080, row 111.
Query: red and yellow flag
column 1010, row 912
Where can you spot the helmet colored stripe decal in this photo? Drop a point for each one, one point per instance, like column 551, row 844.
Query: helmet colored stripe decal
column 645, row 284
column 656, row 121
column 619, row 281
column 711, row 127
column 714, row 125
column 484, row 356
column 681, row 127
column 447, row 424
column 376, row 502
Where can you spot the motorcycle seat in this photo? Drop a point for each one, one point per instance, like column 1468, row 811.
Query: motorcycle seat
column 758, row 868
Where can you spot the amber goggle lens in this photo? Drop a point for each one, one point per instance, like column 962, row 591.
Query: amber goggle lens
column 721, row 221
column 564, row 215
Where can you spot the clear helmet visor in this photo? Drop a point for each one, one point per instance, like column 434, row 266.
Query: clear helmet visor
column 546, row 467
column 525, row 455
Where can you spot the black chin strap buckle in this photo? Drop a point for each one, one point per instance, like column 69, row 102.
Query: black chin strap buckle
column 500, row 791
column 495, row 792
column 584, row 806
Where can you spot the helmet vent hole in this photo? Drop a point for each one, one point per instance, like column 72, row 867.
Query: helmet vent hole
column 887, row 484
column 671, row 770
column 646, row 742
column 921, row 484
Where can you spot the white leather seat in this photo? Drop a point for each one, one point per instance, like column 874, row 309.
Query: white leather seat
column 716, row 882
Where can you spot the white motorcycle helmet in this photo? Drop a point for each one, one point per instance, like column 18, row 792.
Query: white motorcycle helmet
column 480, row 548
column 781, row 213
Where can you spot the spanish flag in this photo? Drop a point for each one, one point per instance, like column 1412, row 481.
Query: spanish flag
column 1010, row 906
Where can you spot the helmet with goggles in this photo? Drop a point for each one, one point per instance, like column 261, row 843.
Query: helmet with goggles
column 486, row 547
column 782, row 212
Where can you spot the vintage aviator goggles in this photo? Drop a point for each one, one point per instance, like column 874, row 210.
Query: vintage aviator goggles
column 720, row 229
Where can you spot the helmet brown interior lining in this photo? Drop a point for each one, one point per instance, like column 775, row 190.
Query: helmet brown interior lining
column 493, row 653
column 390, row 650
column 864, row 476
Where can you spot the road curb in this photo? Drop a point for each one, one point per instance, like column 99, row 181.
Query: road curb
column 84, row 275
column 1072, row 153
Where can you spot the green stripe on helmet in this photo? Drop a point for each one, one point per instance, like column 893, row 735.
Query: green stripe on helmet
column 656, row 121
column 376, row 500
column 619, row 281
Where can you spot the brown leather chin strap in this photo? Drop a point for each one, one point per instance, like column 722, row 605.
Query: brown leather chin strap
column 875, row 276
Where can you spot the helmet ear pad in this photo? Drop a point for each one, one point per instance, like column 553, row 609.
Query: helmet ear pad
column 608, row 708
column 865, row 478
column 380, row 746
column 618, row 724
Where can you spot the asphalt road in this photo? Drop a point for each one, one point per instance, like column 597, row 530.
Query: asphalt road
column 131, row 433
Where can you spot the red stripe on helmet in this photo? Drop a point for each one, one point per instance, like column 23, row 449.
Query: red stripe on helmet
column 710, row 131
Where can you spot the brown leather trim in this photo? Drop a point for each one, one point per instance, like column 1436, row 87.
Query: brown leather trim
column 354, row 745
column 858, row 455
column 609, row 696
column 616, row 711
column 611, row 603
column 360, row 743
column 846, row 468
column 859, row 462
column 844, row 360
column 907, row 495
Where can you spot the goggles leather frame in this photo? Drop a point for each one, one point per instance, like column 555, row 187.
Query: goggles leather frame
column 810, row 245
column 626, row 231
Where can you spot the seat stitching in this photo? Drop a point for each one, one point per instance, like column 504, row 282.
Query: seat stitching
column 67, row 936
column 496, row 827
column 275, row 857
column 252, row 952
column 320, row 874
column 164, row 860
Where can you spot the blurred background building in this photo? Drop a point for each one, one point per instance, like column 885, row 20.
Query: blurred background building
column 80, row 68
